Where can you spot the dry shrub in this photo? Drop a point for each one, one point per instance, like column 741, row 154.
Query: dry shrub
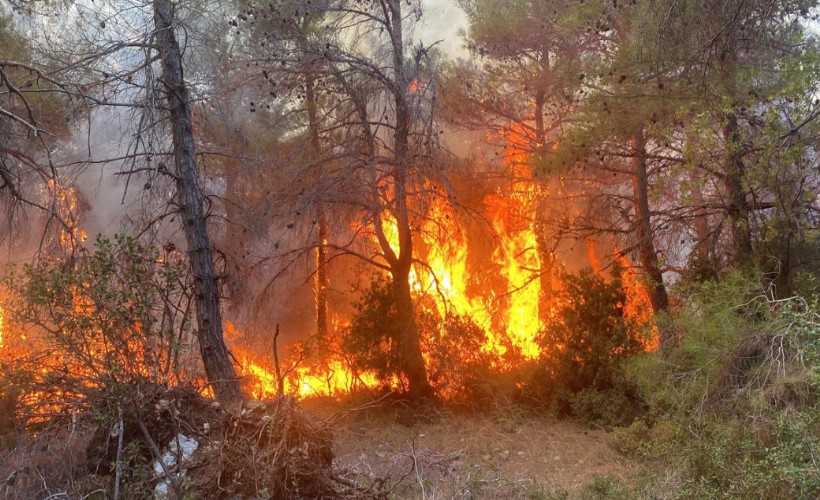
column 261, row 450
column 271, row 450
column 162, row 412
column 8, row 415
column 48, row 465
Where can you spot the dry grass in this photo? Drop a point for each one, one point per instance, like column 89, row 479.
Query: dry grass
column 477, row 456
column 277, row 449
column 49, row 465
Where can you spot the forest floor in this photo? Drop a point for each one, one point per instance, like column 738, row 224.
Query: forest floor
column 457, row 455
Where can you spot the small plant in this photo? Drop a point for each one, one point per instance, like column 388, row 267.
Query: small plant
column 371, row 340
column 457, row 366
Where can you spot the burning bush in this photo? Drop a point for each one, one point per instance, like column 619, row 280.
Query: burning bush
column 116, row 316
column 583, row 348
column 457, row 364
column 460, row 368
column 371, row 340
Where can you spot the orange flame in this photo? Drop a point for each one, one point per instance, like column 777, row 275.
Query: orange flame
column 65, row 198
column 638, row 307
column 2, row 327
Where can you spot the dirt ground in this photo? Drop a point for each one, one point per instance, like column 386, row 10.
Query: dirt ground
column 478, row 456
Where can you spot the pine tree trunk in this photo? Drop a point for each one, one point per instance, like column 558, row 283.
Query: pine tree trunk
column 189, row 197
column 644, row 233
column 546, row 254
column 739, row 209
column 703, row 236
column 410, row 357
column 411, row 360
column 322, row 281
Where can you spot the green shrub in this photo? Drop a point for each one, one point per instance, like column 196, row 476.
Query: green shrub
column 733, row 402
column 371, row 339
column 457, row 366
column 583, row 348
column 604, row 488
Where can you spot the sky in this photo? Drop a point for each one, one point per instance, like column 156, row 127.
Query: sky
column 442, row 20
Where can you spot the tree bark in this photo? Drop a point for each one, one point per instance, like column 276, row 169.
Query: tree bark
column 189, row 197
column 410, row 357
column 739, row 209
column 547, row 254
column 322, row 280
column 646, row 246
column 703, row 236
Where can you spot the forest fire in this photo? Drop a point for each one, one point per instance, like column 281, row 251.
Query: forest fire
column 263, row 379
column 502, row 296
column 499, row 290
column 2, row 328
column 486, row 229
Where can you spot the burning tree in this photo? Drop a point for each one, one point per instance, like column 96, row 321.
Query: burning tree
column 392, row 162
column 117, row 72
column 370, row 139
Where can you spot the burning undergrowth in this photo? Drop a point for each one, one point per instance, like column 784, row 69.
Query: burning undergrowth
column 175, row 442
column 488, row 294
column 103, row 343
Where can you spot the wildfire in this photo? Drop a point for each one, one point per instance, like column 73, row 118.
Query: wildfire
column 260, row 378
column 503, row 298
column 65, row 201
column 638, row 307
column 500, row 291
column 508, row 312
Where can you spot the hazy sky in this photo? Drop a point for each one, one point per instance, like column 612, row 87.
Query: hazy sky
column 442, row 20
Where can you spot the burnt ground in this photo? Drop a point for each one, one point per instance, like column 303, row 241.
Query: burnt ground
column 503, row 455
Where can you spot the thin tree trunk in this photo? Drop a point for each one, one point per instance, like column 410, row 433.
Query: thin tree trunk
column 739, row 209
column 703, row 237
column 322, row 277
column 410, row 357
column 322, row 280
column 546, row 254
column 644, row 233
column 188, row 196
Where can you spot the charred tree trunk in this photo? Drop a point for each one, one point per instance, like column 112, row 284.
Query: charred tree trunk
column 322, row 278
column 410, row 357
column 546, row 253
column 409, row 348
column 322, row 281
column 189, row 197
column 646, row 246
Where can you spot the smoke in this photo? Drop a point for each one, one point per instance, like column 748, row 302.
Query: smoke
column 442, row 22
column 102, row 187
